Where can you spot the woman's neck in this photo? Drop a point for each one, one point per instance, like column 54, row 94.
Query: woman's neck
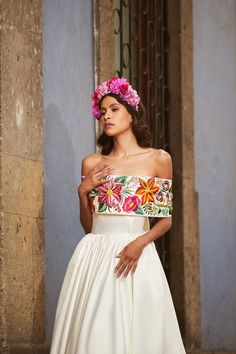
column 125, row 145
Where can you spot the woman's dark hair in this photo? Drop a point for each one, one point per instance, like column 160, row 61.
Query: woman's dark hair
column 139, row 127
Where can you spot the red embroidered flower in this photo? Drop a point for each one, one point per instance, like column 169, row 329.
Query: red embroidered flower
column 109, row 192
column 147, row 190
column 131, row 203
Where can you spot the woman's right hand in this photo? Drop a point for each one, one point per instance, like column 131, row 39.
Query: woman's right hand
column 93, row 178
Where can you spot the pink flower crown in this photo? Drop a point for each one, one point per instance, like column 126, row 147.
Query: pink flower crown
column 119, row 86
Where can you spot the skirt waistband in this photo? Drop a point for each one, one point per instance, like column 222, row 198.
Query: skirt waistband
column 117, row 224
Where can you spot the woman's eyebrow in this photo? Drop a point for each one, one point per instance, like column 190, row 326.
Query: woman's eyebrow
column 113, row 104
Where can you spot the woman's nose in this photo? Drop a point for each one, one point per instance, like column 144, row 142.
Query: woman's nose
column 106, row 116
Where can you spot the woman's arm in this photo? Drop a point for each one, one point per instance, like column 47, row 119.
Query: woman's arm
column 158, row 230
column 85, row 211
column 92, row 179
column 130, row 254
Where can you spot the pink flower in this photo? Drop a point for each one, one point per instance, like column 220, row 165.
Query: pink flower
column 159, row 196
column 131, row 203
column 109, row 192
column 166, row 185
column 119, row 86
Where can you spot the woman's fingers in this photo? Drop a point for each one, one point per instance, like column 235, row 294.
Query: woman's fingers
column 101, row 182
column 99, row 174
column 119, row 264
column 100, row 168
column 121, row 269
column 104, row 172
column 134, row 267
column 128, row 268
column 124, row 266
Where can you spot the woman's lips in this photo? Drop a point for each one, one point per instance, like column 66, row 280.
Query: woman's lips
column 108, row 125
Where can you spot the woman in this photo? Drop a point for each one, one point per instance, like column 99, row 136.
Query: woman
column 115, row 297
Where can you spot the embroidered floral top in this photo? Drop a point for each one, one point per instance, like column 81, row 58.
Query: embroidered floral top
column 133, row 195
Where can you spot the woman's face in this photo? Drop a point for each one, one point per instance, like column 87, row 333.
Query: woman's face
column 115, row 119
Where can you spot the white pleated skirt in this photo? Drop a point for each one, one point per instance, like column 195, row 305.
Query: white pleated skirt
column 98, row 313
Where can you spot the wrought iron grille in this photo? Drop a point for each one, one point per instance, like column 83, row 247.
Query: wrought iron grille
column 141, row 56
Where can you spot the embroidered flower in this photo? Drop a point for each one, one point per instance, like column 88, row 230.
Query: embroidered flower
column 131, row 203
column 147, row 190
column 159, row 196
column 166, row 185
column 109, row 193
column 169, row 196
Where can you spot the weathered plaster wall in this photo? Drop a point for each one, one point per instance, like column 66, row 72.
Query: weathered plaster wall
column 215, row 147
column 69, row 132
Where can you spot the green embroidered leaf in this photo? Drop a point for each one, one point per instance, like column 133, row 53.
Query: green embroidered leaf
column 126, row 192
column 121, row 179
column 171, row 210
column 139, row 210
column 93, row 193
column 102, row 207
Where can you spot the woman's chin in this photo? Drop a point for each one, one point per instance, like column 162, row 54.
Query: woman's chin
column 109, row 132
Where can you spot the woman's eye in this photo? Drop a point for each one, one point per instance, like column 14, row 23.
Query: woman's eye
column 102, row 114
column 114, row 109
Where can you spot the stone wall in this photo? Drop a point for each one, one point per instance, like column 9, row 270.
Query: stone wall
column 104, row 43
column 21, row 176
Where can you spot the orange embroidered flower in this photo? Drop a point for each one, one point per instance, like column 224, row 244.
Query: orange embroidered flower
column 147, row 190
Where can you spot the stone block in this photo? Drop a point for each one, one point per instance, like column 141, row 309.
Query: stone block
column 109, row 4
column 24, row 289
column 22, row 125
column 22, row 184
column 107, row 40
column 106, row 75
column 24, row 15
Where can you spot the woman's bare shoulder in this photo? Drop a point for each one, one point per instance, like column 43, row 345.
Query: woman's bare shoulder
column 161, row 154
column 89, row 162
column 163, row 162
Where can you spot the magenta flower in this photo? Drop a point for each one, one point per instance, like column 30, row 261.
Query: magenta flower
column 119, row 86
column 131, row 203
column 165, row 185
column 159, row 196
column 109, row 192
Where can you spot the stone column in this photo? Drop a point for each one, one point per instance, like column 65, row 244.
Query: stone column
column 21, row 177
column 190, row 201
column 184, row 244
column 104, row 43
